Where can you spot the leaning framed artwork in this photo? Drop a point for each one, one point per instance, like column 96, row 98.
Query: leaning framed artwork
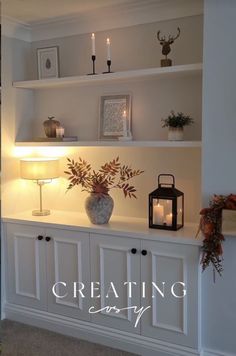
column 115, row 116
column 48, row 62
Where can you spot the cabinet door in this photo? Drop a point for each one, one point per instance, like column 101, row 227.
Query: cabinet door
column 171, row 318
column 68, row 263
column 26, row 266
column 113, row 262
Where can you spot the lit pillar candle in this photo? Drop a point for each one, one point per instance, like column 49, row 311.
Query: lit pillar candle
column 158, row 214
column 168, row 207
column 125, row 129
column 108, row 49
column 93, row 44
column 169, row 219
column 60, row 132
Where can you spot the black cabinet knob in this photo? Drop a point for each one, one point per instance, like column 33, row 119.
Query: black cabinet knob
column 144, row 252
column 133, row 251
column 40, row 237
column 47, row 238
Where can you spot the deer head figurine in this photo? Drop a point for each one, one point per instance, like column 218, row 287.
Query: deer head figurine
column 166, row 46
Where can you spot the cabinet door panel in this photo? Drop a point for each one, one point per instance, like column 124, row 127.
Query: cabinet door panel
column 113, row 265
column 171, row 317
column 26, row 269
column 168, row 311
column 68, row 262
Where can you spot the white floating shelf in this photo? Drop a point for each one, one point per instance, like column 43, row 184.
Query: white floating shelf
column 174, row 144
column 112, row 77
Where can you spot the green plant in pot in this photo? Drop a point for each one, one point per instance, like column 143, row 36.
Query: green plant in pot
column 112, row 175
column 176, row 124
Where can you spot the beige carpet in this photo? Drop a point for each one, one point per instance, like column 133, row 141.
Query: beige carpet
column 22, row 340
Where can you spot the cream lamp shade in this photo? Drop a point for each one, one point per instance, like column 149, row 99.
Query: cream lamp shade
column 39, row 168
column 42, row 171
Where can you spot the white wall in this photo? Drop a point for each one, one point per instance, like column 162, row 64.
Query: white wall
column 132, row 47
column 152, row 161
column 219, row 168
column 15, row 64
column 78, row 108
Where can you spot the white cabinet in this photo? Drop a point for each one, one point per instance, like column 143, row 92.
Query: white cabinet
column 113, row 262
column 26, row 266
column 68, row 262
column 37, row 259
column 124, row 274
column 171, row 317
column 160, row 272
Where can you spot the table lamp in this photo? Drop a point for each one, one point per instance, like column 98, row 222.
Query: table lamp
column 42, row 171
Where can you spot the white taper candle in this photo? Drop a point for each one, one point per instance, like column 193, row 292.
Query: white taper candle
column 108, row 49
column 93, row 44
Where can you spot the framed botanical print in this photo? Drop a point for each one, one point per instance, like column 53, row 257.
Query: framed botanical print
column 115, row 116
column 48, row 62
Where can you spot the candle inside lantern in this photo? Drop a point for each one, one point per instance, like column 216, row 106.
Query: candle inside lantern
column 108, row 49
column 169, row 219
column 158, row 214
column 168, row 207
column 93, row 44
column 60, row 132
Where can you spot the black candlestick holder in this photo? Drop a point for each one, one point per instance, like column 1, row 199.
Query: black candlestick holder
column 108, row 67
column 93, row 59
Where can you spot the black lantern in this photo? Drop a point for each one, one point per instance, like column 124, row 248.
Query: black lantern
column 166, row 206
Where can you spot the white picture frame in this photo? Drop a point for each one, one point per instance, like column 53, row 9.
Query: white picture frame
column 48, row 62
column 112, row 109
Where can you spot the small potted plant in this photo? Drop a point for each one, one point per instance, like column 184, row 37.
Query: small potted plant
column 176, row 123
column 99, row 204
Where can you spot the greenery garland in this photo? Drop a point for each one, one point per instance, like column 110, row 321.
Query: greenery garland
column 211, row 228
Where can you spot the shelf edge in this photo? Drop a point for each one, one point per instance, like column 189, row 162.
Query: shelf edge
column 160, row 144
column 125, row 75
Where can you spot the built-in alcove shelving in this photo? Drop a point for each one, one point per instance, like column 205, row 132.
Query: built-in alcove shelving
column 155, row 91
column 74, row 100
column 185, row 75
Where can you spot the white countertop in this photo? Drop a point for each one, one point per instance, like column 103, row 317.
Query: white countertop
column 118, row 225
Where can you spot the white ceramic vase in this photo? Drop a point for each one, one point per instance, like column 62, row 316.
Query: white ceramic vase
column 176, row 134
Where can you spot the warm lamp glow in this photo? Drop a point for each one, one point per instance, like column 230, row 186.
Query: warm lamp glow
column 39, row 168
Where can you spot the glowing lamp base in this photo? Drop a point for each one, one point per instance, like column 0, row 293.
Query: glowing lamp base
column 43, row 212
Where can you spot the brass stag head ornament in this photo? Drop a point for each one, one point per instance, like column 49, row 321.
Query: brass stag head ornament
column 165, row 43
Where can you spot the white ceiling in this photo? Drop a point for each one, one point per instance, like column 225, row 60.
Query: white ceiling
column 29, row 11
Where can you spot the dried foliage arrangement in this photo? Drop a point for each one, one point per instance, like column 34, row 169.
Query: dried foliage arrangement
column 211, row 228
column 111, row 175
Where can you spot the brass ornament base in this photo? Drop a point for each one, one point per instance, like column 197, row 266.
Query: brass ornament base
column 43, row 212
column 166, row 62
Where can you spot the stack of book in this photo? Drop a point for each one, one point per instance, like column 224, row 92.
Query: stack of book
column 56, row 139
